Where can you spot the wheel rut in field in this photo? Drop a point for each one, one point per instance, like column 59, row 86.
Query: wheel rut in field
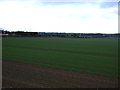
column 66, row 51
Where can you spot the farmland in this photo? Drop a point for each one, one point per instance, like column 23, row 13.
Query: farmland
column 95, row 56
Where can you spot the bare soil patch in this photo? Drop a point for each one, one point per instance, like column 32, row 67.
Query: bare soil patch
column 22, row 75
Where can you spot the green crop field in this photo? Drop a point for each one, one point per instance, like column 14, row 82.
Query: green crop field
column 94, row 55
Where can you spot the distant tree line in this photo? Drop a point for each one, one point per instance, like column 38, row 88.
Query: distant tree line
column 5, row 33
column 19, row 34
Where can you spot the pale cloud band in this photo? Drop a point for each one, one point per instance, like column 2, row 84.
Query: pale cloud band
column 34, row 15
column 67, row 0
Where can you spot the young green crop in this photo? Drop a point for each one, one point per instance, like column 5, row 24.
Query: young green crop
column 94, row 55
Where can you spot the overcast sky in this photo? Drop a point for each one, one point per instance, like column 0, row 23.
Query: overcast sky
column 82, row 17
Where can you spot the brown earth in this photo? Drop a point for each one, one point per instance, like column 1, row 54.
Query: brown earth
column 22, row 75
